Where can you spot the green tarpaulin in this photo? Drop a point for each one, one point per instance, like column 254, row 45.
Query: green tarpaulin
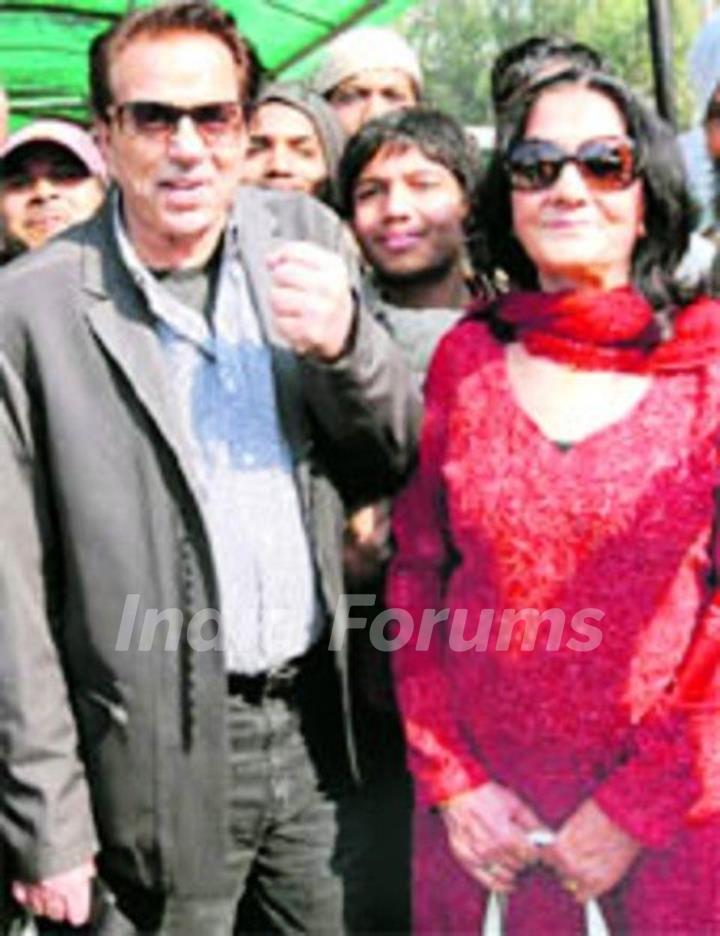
column 43, row 46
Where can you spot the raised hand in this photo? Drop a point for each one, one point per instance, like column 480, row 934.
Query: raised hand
column 311, row 298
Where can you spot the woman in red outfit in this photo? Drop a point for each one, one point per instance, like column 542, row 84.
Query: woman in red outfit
column 559, row 639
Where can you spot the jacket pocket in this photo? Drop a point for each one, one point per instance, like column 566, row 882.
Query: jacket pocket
column 96, row 715
column 116, row 750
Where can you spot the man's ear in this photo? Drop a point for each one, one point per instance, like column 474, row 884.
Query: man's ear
column 244, row 136
column 101, row 135
column 242, row 147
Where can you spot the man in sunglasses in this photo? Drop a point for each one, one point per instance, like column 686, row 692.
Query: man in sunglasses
column 188, row 387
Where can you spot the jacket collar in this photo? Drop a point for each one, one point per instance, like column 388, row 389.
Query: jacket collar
column 121, row 322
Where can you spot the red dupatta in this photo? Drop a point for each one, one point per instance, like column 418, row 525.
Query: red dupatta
column 613, row 330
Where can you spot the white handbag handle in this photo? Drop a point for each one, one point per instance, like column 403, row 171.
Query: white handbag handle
column 494, row 921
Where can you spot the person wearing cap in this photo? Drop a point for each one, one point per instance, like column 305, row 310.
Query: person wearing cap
column 51, row 177
column 295, row 142
column 368, row 72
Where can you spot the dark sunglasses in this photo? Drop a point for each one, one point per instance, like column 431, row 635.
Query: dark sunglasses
column 156, row 120
column 607, row 164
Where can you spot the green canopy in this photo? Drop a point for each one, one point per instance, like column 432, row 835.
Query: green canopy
column 43, row 45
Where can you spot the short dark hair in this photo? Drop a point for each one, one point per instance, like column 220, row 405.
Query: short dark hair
column 437, row 135
column 184, row 16
column 669, row 212
column 519, row 65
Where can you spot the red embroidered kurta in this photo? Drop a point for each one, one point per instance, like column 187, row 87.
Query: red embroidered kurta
column 606, row 544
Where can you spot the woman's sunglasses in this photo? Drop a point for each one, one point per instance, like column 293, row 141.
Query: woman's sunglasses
column 607, row 164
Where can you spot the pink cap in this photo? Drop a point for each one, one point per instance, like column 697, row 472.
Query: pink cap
column 62, row 133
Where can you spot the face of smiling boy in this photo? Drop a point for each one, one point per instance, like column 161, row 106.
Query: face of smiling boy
column 408, row 214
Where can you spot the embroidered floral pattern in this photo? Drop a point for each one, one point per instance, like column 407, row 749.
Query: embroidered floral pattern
column 498, row 517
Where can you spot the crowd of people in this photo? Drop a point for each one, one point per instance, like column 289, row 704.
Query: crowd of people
column 359, row 493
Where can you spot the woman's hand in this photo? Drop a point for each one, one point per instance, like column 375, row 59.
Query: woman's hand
column 487, row 832
column 590, row 854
